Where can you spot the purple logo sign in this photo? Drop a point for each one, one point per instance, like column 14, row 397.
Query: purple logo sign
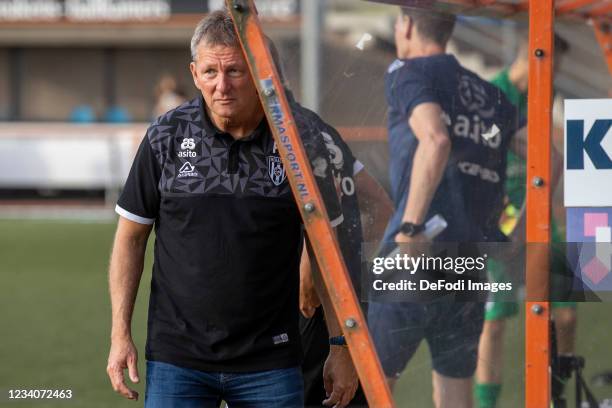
column 593, row 258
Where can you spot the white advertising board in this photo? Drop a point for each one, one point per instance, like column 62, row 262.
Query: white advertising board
column 588, row 153
column 67, row 155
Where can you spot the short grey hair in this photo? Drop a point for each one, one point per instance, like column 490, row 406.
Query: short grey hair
column 217, row 28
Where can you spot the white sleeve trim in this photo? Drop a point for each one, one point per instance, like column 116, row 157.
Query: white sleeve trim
column 357, row 167
column 337, row 221
column 133, row 217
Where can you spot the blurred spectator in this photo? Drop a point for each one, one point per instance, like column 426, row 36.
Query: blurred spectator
column 168, row 95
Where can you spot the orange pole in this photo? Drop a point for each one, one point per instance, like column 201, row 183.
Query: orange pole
column 310, row 203
column 537, row 346
column 460, row 6
column 574, row 5
column 600, row 11
column 603, row 33
column 471, row 5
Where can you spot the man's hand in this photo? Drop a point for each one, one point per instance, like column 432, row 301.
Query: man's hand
column 339, row 378
column 124, row 273
column 123, row 355
column 309, row 301
column 412, row 246
column 405, row 239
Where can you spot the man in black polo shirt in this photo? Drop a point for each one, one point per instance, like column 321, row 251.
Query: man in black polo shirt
column 222, row 321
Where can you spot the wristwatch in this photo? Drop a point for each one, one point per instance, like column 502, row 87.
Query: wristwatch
column 337, row 341
column 409, row 229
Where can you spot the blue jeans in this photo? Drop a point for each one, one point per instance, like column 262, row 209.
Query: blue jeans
column 170, row 386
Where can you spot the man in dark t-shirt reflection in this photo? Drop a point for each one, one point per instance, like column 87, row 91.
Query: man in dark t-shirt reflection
column 449, row 131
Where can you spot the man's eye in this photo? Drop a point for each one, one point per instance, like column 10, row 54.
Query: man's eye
column 234, row 72
column 210, row 72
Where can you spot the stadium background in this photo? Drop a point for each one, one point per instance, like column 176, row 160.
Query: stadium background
column 60, row 172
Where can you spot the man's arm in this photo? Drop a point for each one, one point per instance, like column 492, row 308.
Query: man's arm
column 377, row 208
column 339, row 376
column 125, row 270
column 429, row 162
column 374, row 204
column 309, row 299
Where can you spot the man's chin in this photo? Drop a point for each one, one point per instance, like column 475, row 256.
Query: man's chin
column 225, row 114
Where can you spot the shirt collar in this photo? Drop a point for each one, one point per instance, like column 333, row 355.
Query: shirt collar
column 212, row 131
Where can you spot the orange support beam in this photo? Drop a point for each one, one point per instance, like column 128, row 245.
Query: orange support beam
column 537, row 342
column 604, row 10
column 580, row 8
column 603, row 33
column 570, row 6
column 310, row 203
column 523, row 5
column 471, row 7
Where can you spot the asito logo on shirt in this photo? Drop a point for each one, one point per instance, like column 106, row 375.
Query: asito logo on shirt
column 187, row 144
column 474, row 98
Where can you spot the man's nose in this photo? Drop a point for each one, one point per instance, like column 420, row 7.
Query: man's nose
column 223, row 84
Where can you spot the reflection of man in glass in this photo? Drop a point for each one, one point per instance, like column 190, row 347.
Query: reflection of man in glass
column 513, row 82
column 449, row 132
column 360, row 195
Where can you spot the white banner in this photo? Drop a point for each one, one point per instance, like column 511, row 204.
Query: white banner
column 588, row 153
column 67, row 156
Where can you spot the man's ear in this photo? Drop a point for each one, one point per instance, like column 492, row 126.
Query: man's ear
column 194, row 73
column 409, row 32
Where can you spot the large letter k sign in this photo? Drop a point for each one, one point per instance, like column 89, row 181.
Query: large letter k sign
column 577, row 144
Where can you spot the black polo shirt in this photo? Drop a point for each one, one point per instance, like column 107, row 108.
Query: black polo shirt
column 228, row 240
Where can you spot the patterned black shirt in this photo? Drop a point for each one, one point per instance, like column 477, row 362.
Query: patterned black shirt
column 224, row 291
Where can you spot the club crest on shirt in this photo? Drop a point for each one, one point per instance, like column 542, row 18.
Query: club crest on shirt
column 276, row 170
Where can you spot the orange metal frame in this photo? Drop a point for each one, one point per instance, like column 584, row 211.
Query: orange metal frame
column 541, row 21
column 541, row 29
column 569, row 6
column 308, row 198
column 603, row 33
column 537, row 340
column 579, row 8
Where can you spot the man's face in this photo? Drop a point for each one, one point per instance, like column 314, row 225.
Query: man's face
column 222, row 75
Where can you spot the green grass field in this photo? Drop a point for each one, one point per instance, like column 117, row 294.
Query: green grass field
column 55, row 317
